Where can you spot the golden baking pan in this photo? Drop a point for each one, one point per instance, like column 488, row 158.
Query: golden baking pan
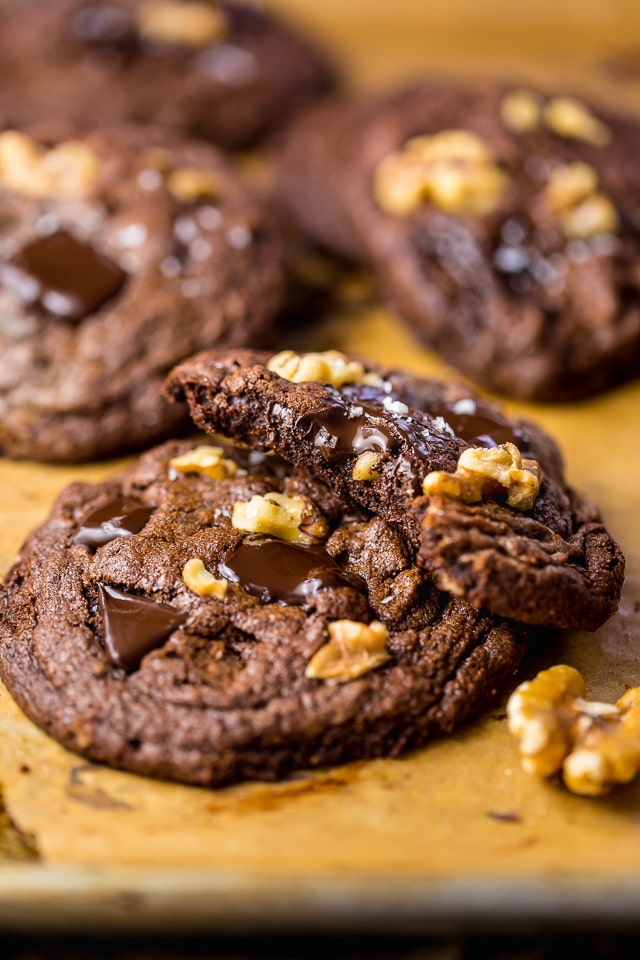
column 456, row 836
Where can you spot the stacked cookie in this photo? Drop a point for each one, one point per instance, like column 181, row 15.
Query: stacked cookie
column 353, row 567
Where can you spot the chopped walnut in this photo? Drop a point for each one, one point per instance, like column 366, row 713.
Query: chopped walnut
column 189, row 184
column 201, row 581
column 583, row 211
column 365, row 466
column 329, row 367
column 190, row 24
column 486, row 471
column 572, row 118
column 69, row 169
column 296, row 519
column 206, row 461
column 521, row 111
column 353, row 649
column 595, row 745
column 453, row 169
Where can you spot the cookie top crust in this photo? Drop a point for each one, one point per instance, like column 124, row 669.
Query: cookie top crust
column 406, row 448
column 227, row 72
column 214, row 615
column 121, row 253
column 502, row 222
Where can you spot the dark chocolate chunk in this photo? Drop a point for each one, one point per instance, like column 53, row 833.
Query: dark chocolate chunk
column 119, row 518
column 282, row 572
column 134, row 625
column 66, row 277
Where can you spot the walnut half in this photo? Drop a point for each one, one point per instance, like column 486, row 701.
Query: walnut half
column 454, row 170
column 354, row 649
column 205, row 461
column 201, row 581
column 581, row 208
column 190, row 24
column 485, row 471
column 594, row 745
column 329, row 367
column 67, row 169
column 295, row 519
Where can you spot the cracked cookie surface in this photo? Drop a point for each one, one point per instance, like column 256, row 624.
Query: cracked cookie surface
column 314, row 654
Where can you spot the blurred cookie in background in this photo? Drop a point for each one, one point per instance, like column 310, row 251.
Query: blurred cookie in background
column 227, row 72
column 501, row 222
column 120, row 253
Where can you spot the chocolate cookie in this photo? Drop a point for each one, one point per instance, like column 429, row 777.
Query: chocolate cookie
column 227, row 72
column 214, row 615
column 120, row 254
column 502, row 223
column 483, row 496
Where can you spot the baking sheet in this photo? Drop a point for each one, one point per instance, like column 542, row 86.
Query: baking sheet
column 453, row 837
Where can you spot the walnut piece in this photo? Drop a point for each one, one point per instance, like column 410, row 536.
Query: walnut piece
column 205, row 461
column 329, row 367
column 189, row 184
column 353, row 649
column 191, row 24
column 365, row 466
column 201, row 581
column 594, row 745
column 583, row 210
column 295, row 519
column 485, row 472
column 521, row 111
column 67, row 170
column 454, row 170
column 572, row 118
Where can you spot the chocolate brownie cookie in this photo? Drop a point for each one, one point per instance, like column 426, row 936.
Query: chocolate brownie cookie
column 483, row 496
column 227, row 72
column 120, row 254
column 213, row 615
column 501, row 222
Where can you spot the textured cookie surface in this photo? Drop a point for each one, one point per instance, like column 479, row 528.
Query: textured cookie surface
column 376, row 436
column 501, row 223
column 109, row 645
column 227, row 72
column 120, row 254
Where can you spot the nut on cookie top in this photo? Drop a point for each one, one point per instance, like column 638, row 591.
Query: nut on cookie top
column 546, row 173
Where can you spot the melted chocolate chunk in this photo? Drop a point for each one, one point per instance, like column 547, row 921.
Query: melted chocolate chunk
column 478, row 429
column 120, row 518
column 134, row 625
column 282, row 572
column 64, row 276
column 338, row 435
column 361, row 420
